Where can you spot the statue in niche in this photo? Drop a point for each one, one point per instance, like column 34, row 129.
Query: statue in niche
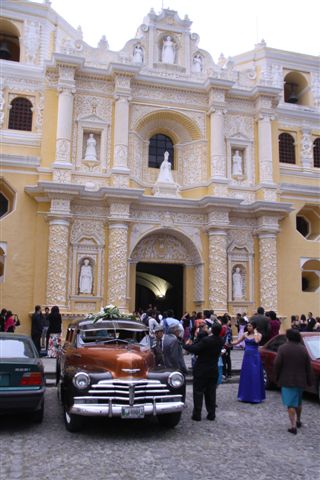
column 237, row 284
column 237, row 164
column 91, row 152
column 168, row 50
column 197, row 63
column 165, row 174
column 85, row 278
column 138, row 54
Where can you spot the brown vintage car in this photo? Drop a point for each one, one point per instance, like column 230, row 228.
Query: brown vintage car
column 107, row 369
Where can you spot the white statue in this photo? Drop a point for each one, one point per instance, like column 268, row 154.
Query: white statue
column 237, row 284
column 85, row 279
column 165, row 174
column 168, row 50
column 138, row 54
column 197, row 63
column 91, row 152
column 237, row 164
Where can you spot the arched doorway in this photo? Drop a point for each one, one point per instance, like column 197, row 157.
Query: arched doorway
column 166, row 259
column 160, row 285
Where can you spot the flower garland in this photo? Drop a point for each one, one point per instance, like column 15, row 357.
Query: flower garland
column 109, row 312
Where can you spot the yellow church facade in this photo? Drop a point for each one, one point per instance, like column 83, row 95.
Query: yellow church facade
column 118, row 168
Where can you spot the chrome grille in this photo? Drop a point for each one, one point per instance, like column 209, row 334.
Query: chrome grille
column 128, row 393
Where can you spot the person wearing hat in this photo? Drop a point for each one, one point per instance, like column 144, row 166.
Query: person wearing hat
column 157, row 346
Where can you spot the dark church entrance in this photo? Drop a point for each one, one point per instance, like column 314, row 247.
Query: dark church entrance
column 161, row 285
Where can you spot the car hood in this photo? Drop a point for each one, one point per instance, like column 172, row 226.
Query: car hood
column 120, row 361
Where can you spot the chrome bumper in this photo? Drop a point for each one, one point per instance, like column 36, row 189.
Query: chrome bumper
column 114, row 410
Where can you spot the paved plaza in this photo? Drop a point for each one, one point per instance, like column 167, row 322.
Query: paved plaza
column 245, row 442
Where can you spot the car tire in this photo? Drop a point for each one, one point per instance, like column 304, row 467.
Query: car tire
column 73, row 423
column 169, row 420
column 37, row 415
column 268, row 385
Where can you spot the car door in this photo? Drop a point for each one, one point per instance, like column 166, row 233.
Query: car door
column 269, row 355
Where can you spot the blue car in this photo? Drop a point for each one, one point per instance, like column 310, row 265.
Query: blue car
column 22, row 380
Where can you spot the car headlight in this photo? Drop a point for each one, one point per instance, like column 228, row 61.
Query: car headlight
column 81, row 380
column 176, row 379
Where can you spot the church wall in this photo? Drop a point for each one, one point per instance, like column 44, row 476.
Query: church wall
column 208, row 113
column 18, row 229
column 48, row 146
column 292, row 246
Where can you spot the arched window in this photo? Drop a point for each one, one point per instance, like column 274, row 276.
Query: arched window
column 9, row 41
column 310, row 275
column 20, row 117
column 286, row 148
column 158, row 145
column 316, row 153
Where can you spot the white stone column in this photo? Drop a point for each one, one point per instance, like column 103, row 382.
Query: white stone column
column 265, row 148
column 306, row 149
column 66, row 89
column 268, row 268
column 121, row 133
column 118, row 265
column 218, row 148
column 218, row 270
column 57, row 273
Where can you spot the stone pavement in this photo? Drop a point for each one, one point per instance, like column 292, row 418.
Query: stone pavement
column 245, row 442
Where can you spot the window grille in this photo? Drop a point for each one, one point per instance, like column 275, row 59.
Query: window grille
column 20, row 117
column 316, row 153
column 286, row 148
column 158, row 145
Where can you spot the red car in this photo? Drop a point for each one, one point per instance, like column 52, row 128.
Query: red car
column 268, row 354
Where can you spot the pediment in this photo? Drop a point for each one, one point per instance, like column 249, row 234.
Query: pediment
column 92, row 118
column 169, row 18
column 239, row 136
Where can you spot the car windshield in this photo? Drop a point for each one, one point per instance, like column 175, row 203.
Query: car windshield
column 313, row 345
column 15, row 348
column 102, row 335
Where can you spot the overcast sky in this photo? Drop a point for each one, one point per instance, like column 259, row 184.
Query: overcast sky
column 228, row 26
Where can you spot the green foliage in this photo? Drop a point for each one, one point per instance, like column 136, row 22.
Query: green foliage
column 109, row 312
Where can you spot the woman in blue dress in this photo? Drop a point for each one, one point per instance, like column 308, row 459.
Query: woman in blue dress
column 251, row 386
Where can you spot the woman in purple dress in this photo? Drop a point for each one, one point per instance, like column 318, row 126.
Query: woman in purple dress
column 251, row 386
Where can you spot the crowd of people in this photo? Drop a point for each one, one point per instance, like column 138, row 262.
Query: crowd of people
column 8, row 321
column 209, row 339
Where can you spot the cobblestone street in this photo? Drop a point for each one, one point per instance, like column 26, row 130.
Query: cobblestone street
column 245, row 442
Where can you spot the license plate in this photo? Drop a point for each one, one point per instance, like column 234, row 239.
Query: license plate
column 4, row 380
column 132, row 412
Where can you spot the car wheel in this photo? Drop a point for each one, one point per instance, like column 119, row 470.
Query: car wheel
column 169, row 420
column 72, row 422
column 268, row 385
column 37, row 416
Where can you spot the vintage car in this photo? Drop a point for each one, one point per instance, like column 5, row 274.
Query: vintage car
column 108, row 369
column 22, row 381
column 268, row 354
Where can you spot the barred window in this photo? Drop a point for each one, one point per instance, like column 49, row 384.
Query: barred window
column 20, row 117
column 316, row 153
column 158, row 145
column 286, row 148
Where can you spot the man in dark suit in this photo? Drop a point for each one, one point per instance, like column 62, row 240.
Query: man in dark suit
column 172, row 350
column 205, row 372
column 262, row 324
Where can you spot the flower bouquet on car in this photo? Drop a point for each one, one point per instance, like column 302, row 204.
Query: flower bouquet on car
column 109, row 312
